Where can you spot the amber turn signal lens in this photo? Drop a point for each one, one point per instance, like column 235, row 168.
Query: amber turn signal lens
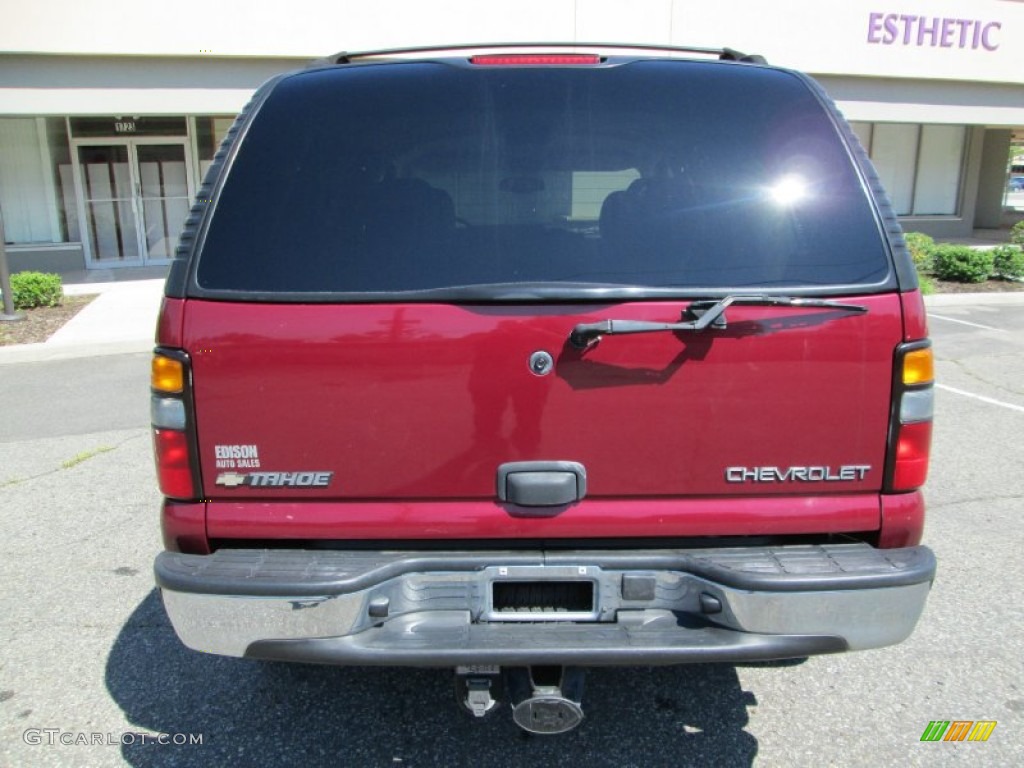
column 919, row 366
column 168, row 375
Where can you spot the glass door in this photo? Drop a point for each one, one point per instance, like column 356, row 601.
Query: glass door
column 108, row 194
column 136, row 194
column 163, row 197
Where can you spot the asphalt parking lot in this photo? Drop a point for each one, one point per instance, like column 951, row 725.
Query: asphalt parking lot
column 92, row 672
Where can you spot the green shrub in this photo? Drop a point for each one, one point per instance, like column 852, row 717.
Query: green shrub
column 926, row 285
column 921, row 247
column 1017, row 233
column 961, row 264
column 36, row 289
column 1008, row 261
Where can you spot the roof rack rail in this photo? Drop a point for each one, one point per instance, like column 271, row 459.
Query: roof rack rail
column 724, row 54
column 731, row 54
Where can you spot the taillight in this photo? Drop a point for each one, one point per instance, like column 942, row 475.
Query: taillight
column 910, row 428
column 173, row 463
column 170, row 412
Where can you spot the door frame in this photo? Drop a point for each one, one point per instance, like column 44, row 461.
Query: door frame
column 131, row 143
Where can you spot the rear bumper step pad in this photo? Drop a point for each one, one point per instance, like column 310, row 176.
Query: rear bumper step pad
column 262, row 573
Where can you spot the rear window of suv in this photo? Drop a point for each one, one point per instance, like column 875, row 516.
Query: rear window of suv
column 442, row 178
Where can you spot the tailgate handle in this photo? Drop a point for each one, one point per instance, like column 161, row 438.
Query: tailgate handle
column 542, row 483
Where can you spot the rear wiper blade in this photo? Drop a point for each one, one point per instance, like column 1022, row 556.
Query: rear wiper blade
column 702, row 315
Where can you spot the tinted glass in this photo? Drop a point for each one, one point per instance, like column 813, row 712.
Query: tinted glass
column 668, row 175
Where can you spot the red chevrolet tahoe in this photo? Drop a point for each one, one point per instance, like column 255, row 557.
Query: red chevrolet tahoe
column 519, row 361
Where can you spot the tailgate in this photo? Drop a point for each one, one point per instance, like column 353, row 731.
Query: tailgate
column 394, row 403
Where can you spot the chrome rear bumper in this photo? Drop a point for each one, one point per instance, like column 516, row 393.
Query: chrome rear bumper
column 627, row 607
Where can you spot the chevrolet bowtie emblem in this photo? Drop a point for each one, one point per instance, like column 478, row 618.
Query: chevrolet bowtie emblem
column 230, row 479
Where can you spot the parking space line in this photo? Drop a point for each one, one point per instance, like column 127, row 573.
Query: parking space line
column 982, row 398
column 965, row 322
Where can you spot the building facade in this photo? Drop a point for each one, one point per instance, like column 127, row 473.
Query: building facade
column 110, row 112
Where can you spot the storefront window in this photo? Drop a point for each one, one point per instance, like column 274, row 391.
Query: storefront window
column 920, row 165
column 210, row 132
column 863, row 133
column 894, row 153
column 940, row 159
column 29, row 195
column 63, row 179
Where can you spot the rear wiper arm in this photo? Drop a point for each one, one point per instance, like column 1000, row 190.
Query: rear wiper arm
column 703, row 314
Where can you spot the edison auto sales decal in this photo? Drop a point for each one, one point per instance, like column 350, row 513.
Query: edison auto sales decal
column 237, row 456
column 234, row 457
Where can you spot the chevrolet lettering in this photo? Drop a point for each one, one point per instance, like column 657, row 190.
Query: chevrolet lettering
column 846, row 473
